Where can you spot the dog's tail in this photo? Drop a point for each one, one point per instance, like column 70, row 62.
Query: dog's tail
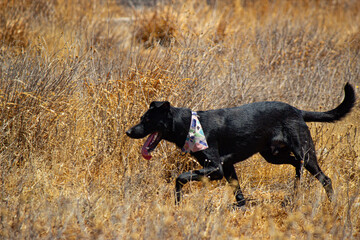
column 336, row 114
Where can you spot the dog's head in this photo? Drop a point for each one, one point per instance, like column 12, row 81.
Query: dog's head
column 156, row 121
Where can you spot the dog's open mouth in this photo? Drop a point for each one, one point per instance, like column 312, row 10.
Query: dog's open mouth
column 150, row 144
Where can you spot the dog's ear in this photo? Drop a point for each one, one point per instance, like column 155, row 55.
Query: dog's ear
column 163, row 105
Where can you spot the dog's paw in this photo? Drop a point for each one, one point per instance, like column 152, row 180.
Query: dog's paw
column 238, row 206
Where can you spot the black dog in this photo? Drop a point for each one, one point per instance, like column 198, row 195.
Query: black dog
column 274, row 129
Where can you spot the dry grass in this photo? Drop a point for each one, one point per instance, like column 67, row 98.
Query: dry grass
column 74, row 75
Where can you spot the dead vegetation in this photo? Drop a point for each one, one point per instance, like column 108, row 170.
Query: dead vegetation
column 73, row 79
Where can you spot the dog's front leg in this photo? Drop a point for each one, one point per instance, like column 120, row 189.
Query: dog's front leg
column 231, row 177
column 213, row 173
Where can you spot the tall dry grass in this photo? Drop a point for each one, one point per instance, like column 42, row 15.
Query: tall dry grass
column 74, row 75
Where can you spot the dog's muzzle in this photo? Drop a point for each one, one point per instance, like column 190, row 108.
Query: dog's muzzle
column 149, row 145
column 136, row 132
column 129, row 133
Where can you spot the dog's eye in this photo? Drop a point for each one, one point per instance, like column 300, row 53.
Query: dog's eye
column 145, row 119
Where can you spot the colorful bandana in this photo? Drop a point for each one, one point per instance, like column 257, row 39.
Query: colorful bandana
column 195, row 140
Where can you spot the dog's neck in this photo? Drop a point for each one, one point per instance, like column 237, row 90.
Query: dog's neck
column 180, row 126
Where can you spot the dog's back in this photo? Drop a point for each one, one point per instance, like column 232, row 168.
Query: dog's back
column 249, row 128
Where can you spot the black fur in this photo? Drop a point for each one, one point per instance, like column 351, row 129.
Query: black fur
column 274, row 129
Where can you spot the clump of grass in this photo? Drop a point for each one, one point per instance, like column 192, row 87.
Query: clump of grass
column 353, row 42
column 156, row 27
column 14, row 29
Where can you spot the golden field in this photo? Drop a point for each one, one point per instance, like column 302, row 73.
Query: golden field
column 75, row 75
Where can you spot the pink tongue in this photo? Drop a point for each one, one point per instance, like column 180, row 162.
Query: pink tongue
column 144, row 151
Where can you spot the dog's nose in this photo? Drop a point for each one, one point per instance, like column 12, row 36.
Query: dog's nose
column 128, row 132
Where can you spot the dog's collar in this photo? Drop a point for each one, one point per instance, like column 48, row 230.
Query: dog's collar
column 195, row 140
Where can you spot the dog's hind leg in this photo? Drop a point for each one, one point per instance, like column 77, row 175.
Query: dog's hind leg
column 213, row 173
column 230, row 175
column 312, row 166
column 304, row 152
